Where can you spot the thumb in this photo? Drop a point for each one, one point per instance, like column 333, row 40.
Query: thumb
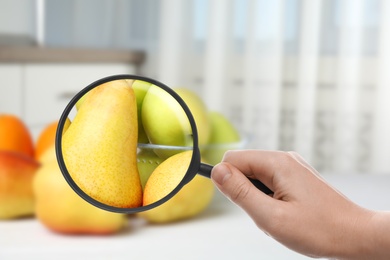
column 237, row 187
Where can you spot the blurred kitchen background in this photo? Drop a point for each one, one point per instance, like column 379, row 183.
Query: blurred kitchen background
column 304, row 75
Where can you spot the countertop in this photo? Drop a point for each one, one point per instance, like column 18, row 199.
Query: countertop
column 36, row 54
column 223, row 231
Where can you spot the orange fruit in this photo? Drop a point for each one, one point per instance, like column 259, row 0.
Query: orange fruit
column 15, row 136
column 46, row 139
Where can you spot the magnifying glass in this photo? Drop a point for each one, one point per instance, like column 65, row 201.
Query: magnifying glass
column 123, row 139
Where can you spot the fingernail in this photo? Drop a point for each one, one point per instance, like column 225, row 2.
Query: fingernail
column 220, row 173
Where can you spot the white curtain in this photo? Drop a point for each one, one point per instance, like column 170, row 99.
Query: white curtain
column 325, row 98
column 304, row 75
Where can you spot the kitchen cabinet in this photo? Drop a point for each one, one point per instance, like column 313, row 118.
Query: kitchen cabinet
column 36, row 84
column 11, row 89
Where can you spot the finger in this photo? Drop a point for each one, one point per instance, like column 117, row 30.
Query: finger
column 261, row 165
column 236, row 186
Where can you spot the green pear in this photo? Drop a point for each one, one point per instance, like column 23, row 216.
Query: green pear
column 140, row 88
column 147, row 161
column 224, row 136
column 100, row 146
column 199, row 112
column 165, row 121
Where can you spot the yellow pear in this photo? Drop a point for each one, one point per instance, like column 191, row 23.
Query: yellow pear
column 49, row 155
column 100, row 146
column 61, row 210
column 191, row 200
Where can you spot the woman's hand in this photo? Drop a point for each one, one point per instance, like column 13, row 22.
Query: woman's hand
column 304, row 213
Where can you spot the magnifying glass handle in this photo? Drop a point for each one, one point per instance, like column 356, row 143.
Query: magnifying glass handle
column 205, row 170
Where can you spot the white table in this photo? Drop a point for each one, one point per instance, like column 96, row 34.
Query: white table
column 224, row 231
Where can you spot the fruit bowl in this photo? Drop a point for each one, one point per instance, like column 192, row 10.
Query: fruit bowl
column 163, row 147
column 213, row 153
column 210, row 153
column 229, row 146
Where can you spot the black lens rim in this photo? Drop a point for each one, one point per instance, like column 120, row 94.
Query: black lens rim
column 192, row 169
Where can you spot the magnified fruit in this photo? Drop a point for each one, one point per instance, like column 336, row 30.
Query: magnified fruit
column 165, row 122
column 147, row 161
column 100, row 146
column 191, row 200
column 140, row 89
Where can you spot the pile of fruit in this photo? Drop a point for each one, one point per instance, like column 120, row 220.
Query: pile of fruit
column 31, row 183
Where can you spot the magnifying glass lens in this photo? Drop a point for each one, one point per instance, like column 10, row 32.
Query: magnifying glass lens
column 132, row 144
column 121, row 131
